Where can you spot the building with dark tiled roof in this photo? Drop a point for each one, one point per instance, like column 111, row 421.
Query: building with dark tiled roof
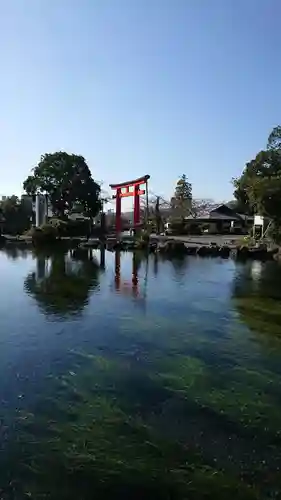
column 222, row 219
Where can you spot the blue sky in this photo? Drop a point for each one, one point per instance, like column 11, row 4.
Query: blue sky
column 163, row 87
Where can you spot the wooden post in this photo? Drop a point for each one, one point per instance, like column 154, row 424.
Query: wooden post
column 147, row 209
column 118, row 212
column 136, row 206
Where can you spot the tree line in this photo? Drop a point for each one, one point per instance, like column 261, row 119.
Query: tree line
column 15, row 215
column 67, row 181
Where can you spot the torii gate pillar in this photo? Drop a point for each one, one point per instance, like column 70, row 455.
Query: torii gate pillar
column 122, row 191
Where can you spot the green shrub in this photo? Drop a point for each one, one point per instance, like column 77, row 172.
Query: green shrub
column 47, row 233
column 58, row 228
column 71, row 228
column 247, row 241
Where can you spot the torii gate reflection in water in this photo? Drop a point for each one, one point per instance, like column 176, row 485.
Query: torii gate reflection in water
column 123, row 191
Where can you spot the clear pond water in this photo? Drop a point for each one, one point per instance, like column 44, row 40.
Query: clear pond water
column 126, row 376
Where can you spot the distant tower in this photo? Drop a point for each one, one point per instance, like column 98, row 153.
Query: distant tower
column 41, row 209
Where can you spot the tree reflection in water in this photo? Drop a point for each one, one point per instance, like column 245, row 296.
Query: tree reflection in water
column 180, row 264
column 14, row 252
column 258, row 279
column 62, row 282
column 256, row 296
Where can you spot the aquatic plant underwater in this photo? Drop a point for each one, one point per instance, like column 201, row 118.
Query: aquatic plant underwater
column 162, row 407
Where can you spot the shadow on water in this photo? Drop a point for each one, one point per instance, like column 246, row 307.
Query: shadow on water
column 161, row 406
column 63, row 281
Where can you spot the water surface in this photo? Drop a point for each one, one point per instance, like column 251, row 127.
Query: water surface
column 127, row 375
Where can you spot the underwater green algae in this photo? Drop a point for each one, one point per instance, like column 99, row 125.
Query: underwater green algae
column 182, row 407
column 169, row 426
column 105, row 443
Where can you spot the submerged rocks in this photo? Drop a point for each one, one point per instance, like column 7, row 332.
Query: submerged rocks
column 203, row 251
column 175, row 247
column 191, row 250
column 213, row 250
column 172, row 247
column 225, row 252
column 242, row 252
column 259, row 252
column 153, row 247
column 91, row 243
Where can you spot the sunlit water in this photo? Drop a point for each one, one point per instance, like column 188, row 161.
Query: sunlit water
column 136, row 375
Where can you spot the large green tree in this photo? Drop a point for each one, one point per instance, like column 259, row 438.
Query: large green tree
column 67, row 180
column 241, row 204
column 259, row 186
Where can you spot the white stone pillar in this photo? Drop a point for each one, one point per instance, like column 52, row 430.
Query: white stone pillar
column 37, row 210
column 46, row 214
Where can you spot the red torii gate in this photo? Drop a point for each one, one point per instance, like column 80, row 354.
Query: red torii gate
column 123, row 191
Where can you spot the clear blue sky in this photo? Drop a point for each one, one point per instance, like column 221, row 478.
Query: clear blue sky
column 163, row 87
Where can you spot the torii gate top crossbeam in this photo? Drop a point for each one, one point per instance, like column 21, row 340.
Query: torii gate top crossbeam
column 140, row 180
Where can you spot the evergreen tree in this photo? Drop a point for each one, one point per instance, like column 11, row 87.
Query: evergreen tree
column 182, row 200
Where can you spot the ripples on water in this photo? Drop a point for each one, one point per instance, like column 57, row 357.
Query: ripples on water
column 124, row 376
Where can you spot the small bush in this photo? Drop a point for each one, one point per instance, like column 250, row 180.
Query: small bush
column 247, row 241
column 72, row 228
column 59, row 225
column 47, row 233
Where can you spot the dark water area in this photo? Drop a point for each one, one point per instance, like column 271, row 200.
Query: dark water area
column 132, row 376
